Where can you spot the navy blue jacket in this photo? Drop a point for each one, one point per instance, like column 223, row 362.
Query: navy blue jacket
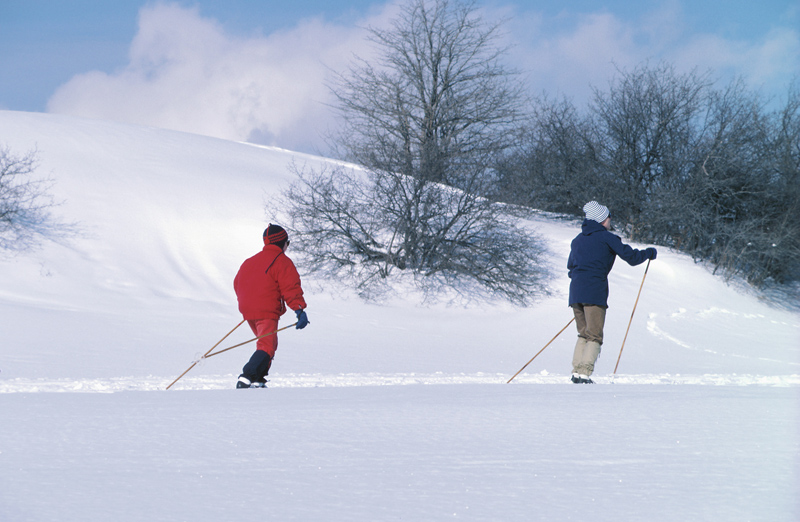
column 590, row 260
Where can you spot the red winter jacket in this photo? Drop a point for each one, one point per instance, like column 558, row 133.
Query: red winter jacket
column 266, row 283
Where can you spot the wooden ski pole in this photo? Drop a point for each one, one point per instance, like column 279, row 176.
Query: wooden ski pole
column 248, row 342
column 208, row 352
column 633, row 312
column 540, row 351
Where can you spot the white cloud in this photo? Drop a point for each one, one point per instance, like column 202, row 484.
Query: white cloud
column 582, row 53
column 570, row 53
column 767, row 64
column 185, row 73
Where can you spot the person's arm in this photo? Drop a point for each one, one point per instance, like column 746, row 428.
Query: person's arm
column 630, row 255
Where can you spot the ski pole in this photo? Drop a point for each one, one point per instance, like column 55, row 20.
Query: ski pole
column 633, row 312
column 208, row 352
column 540, row 351
column 247, row 342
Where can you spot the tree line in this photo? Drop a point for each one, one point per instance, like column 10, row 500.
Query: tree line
column 705, row 170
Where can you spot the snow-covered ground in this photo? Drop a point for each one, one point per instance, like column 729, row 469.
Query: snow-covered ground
column 391, row 411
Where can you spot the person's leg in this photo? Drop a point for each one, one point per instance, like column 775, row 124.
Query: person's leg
column 251, row 373
column 595, row 321
column 580, row 319
column 260, row 362
column 580, row 345
column 263, row 370
column 595, row 317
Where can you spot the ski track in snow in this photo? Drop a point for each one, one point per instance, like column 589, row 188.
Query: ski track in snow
column 653, row 328
column 224, row 382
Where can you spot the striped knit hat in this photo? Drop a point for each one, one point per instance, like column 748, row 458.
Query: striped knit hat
column 275, row 235
column 595, row 211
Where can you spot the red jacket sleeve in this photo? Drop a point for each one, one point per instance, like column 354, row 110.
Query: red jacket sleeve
column 289, row 283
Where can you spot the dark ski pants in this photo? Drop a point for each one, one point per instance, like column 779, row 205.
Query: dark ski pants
column 257, row 368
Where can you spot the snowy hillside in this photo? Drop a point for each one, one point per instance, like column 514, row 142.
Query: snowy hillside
column 168, row 217
column 392, row 411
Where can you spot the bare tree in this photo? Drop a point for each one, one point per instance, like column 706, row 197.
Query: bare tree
column 555, row 167
column 427, row 123
column 346, row 223
column 25, row 203
column 783, row 258
column 645, row 123
column 743, row 194
column 438, row 105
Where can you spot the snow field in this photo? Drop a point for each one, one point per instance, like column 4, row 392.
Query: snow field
column 439, row 452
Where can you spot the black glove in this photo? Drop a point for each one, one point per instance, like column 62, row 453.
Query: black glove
column 651, row 253
column 302, row 319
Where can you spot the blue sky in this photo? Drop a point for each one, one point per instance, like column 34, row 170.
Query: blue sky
column 45, row 42
column 255, row 70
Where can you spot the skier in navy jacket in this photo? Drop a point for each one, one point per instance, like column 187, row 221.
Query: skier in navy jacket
column 591, row 258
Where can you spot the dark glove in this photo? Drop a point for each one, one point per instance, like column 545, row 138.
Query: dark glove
column 651, row 253
column 302, row 319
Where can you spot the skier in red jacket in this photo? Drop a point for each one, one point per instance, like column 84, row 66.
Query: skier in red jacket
column 265, row 285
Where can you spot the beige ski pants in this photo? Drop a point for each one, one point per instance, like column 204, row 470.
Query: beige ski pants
column 590, row 320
